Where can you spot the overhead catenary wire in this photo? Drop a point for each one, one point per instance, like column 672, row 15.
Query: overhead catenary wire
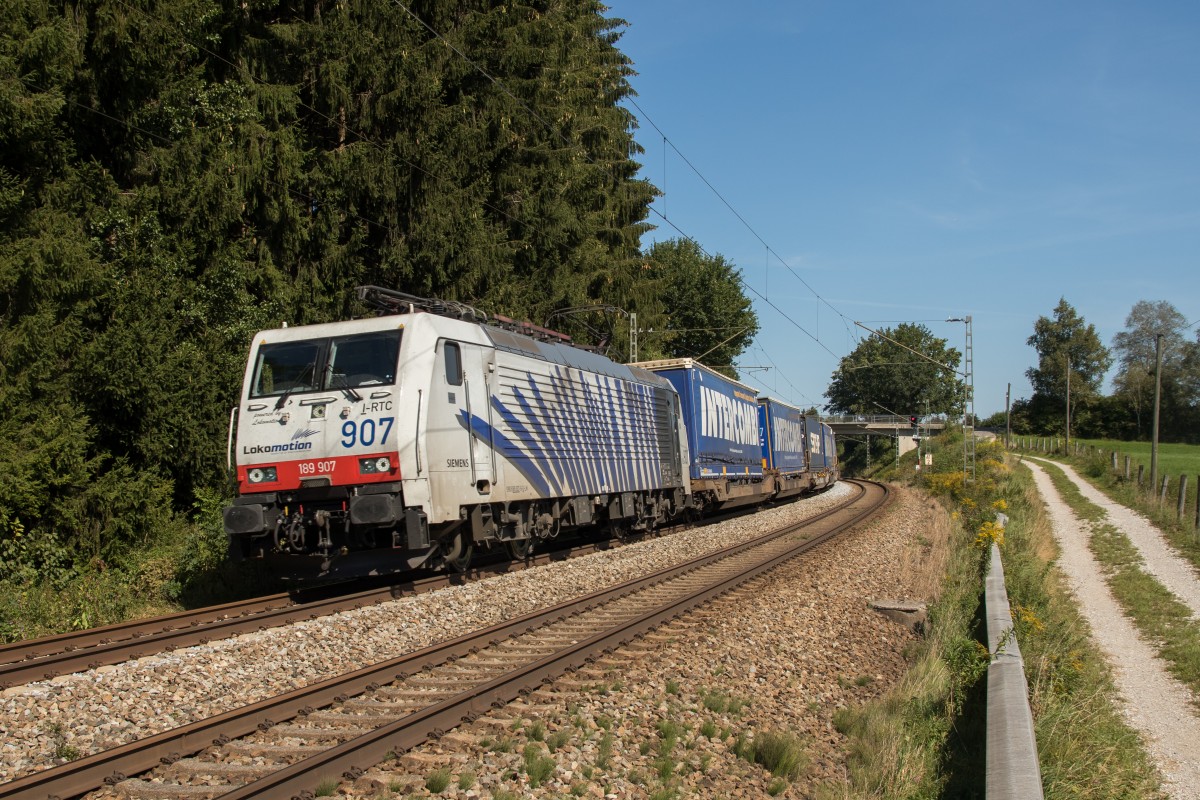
column 735, row 212
column 587, row 156
column 751, row 289
column 662, row 215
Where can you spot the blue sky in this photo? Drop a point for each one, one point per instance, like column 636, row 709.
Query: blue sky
column 925, row 160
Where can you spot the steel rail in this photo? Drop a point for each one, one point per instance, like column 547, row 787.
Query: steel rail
column 49, row 657
column 350, row 759
column 94, row 771
column 131, row 629
column 66, row 653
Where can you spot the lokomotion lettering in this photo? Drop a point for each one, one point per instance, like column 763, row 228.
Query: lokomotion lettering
column 276, row 448
column 725, row 417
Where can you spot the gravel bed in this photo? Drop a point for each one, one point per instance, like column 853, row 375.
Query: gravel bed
column 781, row 658
column 84, row 713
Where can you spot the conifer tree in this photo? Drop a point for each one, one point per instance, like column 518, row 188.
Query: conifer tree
column 176, row 174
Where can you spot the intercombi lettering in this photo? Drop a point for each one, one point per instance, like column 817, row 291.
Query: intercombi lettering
column 724, row 417
column 789, row 434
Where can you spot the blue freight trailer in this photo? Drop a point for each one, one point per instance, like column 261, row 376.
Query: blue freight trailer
column 786, row 446
column 721, row 417
column 782, row 437
column 823, row 458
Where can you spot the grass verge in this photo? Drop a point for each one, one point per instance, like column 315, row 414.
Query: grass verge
column 923, row 739
column 1096, row 467
column 1161, row 618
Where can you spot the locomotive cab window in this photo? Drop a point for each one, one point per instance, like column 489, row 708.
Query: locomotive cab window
column 343, row 362
column 368, row 359
column 454, row 375
column 286, row 367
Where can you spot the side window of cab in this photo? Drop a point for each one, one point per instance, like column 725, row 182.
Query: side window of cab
column 453, row 358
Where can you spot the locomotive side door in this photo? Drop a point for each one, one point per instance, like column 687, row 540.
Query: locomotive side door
column 460, row 430
column 478, row 367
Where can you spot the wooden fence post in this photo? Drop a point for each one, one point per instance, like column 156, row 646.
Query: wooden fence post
column 1179, row 506
column 1114, row 461
column 1197, row 523
column 1162, row 493
column 1127, row 469
column 1141, row 469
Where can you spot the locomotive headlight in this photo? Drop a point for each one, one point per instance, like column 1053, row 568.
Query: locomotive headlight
column 374, row 466
column 262, row 475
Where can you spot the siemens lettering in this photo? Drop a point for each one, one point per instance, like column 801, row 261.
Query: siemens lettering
column 277, row 448
column 727, row 418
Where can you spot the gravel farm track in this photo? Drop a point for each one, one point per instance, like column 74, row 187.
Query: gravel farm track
column 801, row 645
column 1153, row 702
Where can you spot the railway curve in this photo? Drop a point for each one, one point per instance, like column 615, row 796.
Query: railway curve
column 680, row 588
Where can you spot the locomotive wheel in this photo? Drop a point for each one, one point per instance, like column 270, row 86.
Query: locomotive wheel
column 619, row 529
column 456, row 553
column 519, row 549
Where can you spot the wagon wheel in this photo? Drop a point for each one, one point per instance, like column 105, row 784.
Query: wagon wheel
column 519, row 549
column 456, row 553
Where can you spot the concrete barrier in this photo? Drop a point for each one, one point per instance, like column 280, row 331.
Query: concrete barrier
column 1013, row 772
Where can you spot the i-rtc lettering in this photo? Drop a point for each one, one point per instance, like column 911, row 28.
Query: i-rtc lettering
column 277, row 448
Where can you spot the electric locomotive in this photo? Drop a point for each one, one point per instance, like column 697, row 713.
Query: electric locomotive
column 411, row 438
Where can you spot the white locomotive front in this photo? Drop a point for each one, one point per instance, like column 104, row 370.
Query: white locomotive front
column 408, row 439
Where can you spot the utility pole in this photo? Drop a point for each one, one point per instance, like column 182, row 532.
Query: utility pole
column 968, row 403
column 633, row 336
column 1007, row 417
column 1067, row 446
column 1158, row 337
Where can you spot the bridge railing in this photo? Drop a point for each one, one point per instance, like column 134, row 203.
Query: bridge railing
column 881, row 419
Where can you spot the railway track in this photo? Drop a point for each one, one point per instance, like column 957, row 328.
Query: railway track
column 285, row 746
column 76, row 651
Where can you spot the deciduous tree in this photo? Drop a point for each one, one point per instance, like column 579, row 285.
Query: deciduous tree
column 705, row 314
column 1064, row 342
column 884, row 372
column 1136, row 358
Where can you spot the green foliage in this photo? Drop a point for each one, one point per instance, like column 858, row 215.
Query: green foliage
column 174, row 178
column 781, row 752
column 1070, row 354
column 537, row 767
column 1138, row 352
column 438, row 780
column 884, row 373
column 704, row 312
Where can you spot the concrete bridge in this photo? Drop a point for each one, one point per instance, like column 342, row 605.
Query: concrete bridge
column 883, row 423
column 890, row 425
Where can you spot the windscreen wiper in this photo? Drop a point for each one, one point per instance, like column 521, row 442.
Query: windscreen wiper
column 309, row 370
column 351, row 395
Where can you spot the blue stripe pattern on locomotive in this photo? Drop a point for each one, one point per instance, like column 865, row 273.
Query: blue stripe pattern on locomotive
column 583, row 434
